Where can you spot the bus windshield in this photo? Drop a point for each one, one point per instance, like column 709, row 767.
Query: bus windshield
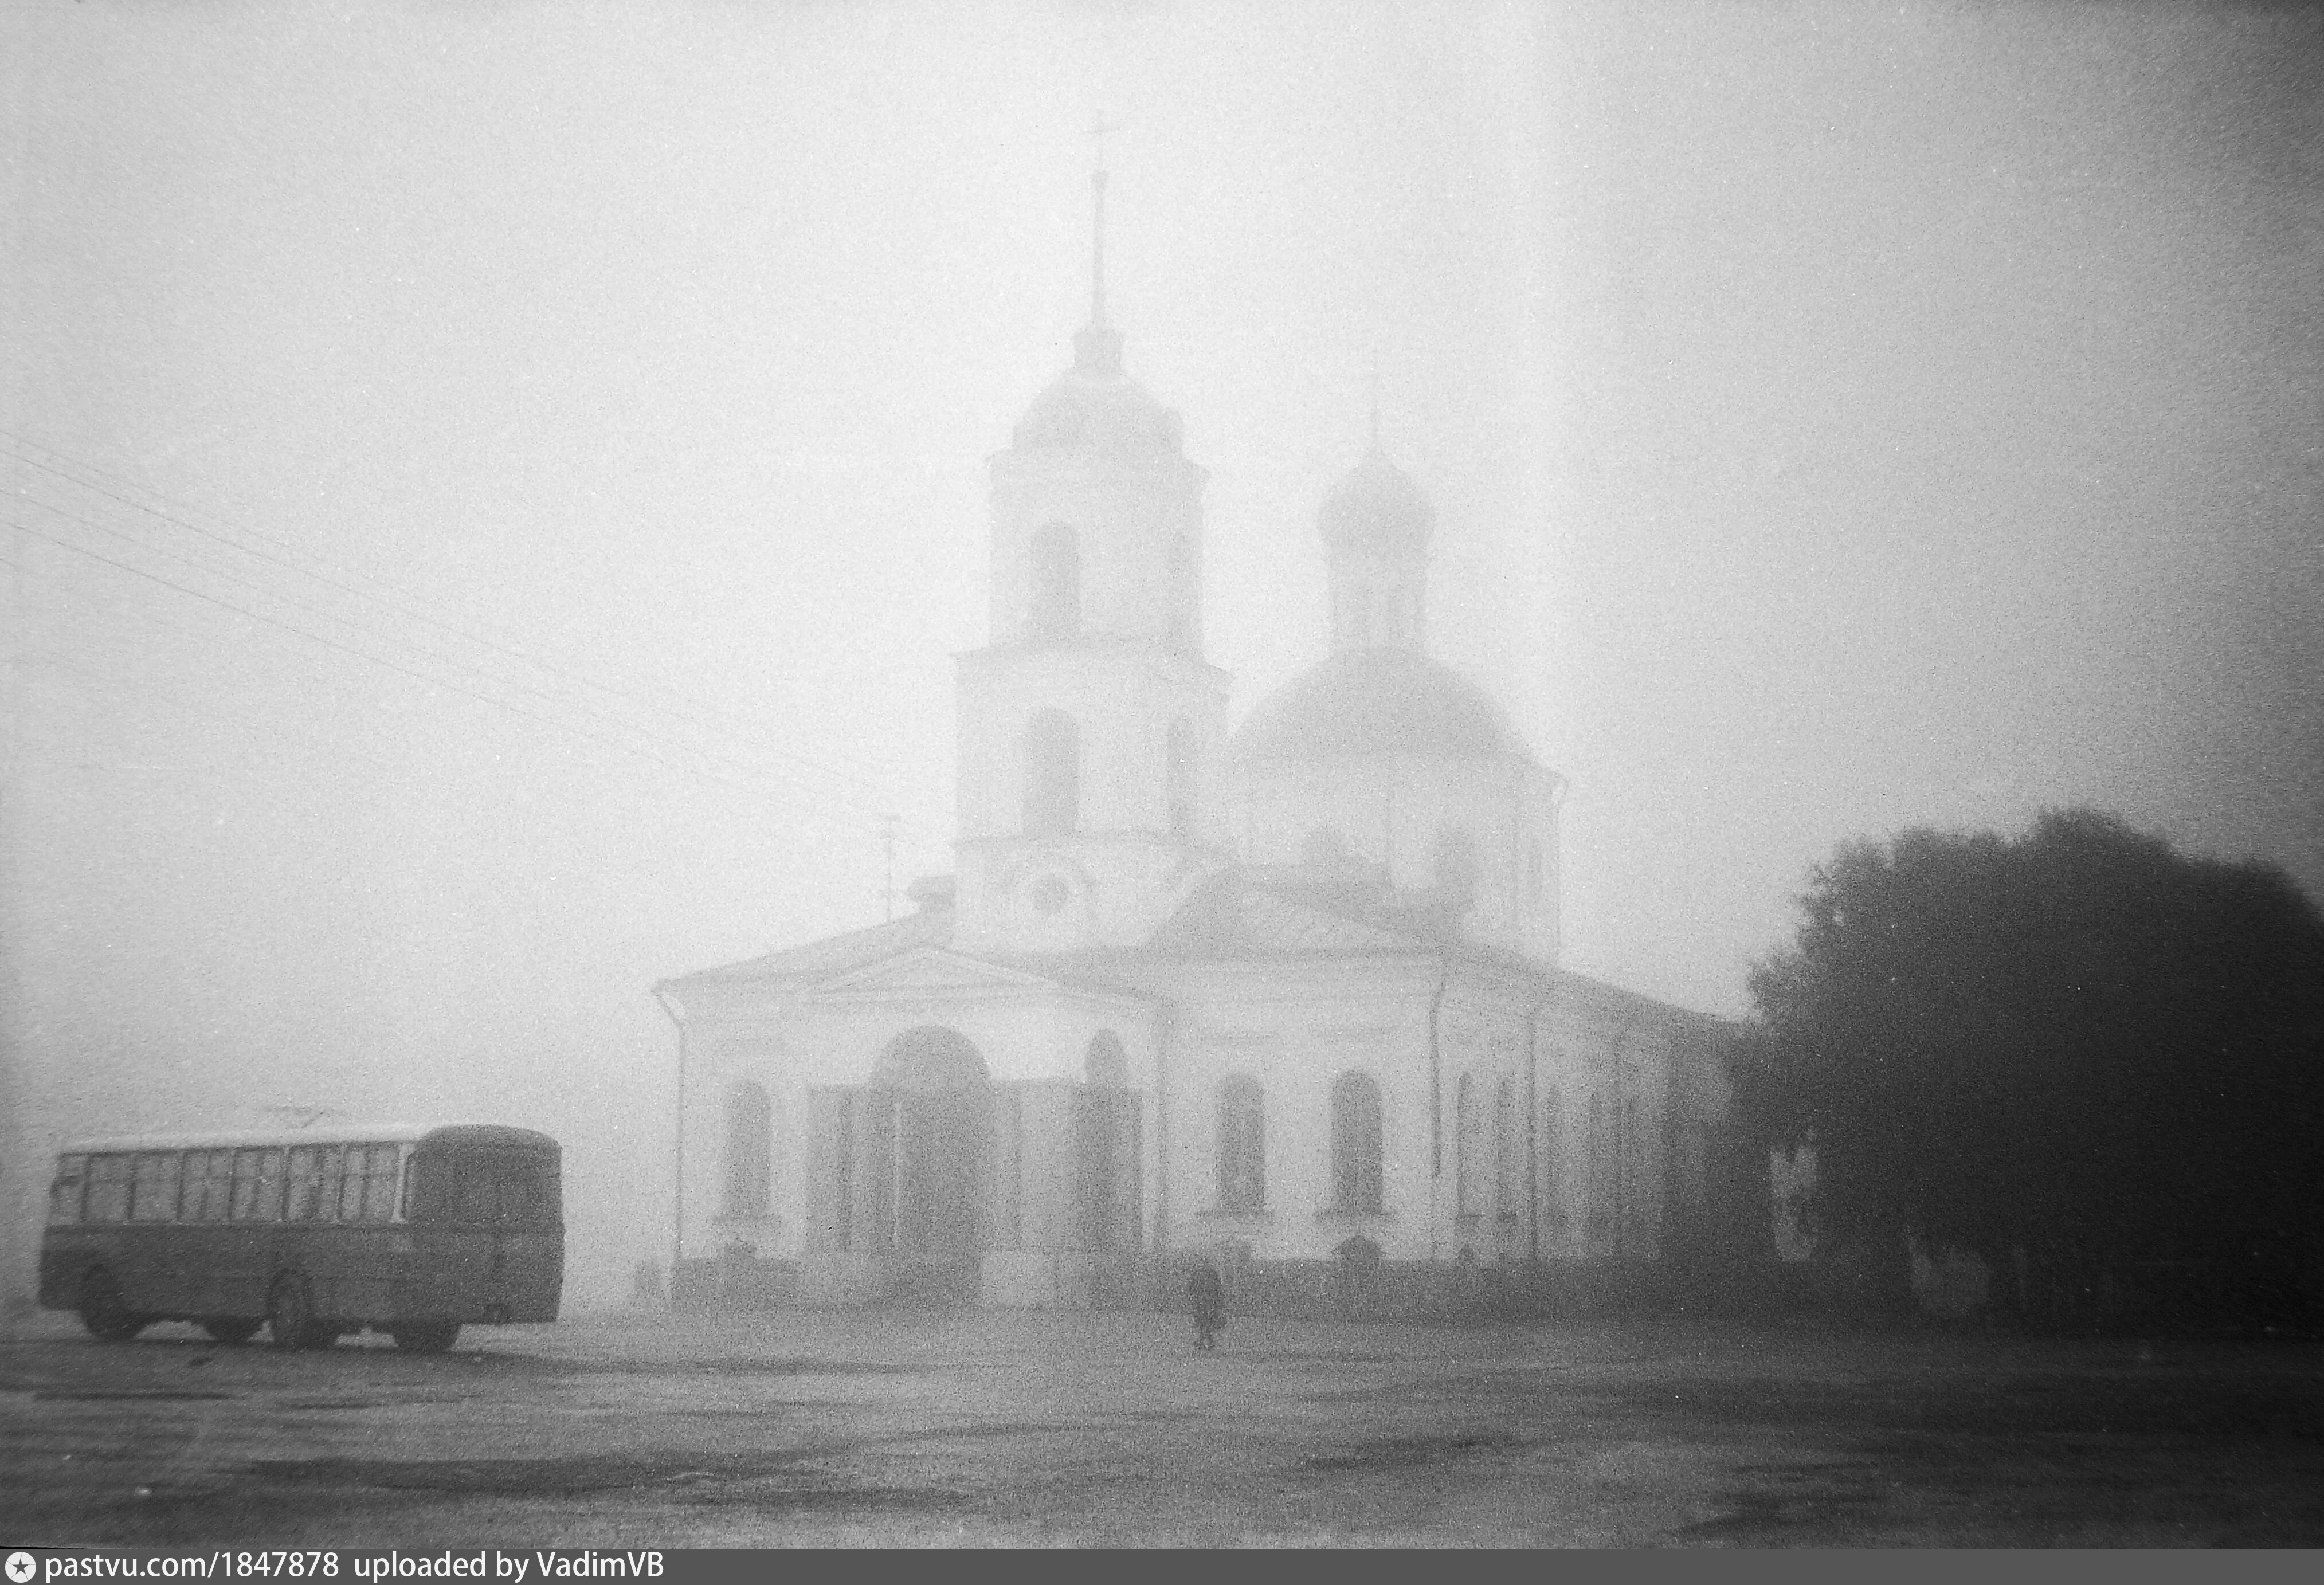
column 484, row 1188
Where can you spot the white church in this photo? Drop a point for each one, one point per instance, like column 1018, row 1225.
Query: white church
column 1286, row 998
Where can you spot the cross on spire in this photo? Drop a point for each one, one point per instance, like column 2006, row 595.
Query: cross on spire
column 1098, row 129
column 1098, row 348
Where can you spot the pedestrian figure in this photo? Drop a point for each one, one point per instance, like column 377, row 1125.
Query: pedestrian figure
column 1209, row 1298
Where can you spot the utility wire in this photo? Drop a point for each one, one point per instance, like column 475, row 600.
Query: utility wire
column 421, row 677
column 872, row 809
column 862, row 771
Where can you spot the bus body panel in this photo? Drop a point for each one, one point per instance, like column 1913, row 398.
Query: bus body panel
column 495, row 1254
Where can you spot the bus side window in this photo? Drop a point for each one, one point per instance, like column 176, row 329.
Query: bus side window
column 108, row 1188
column 210, row 1185
column 258, row 1185
column 378, row 1181
column 351, row 1186
column 154, row 1196
column 306, row 1184
column 64, row 1189
column 221, row 1200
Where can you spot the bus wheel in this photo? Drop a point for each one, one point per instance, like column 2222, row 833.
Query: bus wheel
column 231, row 1329
column 102, row 1311
column 425, row 1337
column 290, row 1315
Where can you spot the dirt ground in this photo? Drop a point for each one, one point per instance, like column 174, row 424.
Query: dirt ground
column 980, row 1428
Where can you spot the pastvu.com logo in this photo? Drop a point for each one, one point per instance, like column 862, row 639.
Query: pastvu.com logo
column 20, row 1567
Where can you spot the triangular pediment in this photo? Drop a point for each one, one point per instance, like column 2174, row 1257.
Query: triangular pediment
column 929, row 968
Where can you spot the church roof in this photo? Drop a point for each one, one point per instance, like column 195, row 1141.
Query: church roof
column 1250, row 914
column 835, row 954
column 1377, row 701
column 1231, row 916
column 1096, row 409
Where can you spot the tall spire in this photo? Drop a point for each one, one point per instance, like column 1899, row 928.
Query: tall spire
column 1097, row 347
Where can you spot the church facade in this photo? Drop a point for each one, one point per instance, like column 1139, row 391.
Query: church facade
column 1286, row 998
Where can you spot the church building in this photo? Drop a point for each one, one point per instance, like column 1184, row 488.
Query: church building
column 1286, row 998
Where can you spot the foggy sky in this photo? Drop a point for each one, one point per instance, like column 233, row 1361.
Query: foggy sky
column 1837, row 421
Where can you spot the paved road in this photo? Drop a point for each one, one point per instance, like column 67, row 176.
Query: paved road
column 966, row 1429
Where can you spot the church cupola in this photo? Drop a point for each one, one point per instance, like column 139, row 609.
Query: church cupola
column 1375, row 524
column 1390, row 759
column 1089, row 723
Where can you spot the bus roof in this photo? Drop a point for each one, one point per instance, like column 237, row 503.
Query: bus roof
column 321, row 1134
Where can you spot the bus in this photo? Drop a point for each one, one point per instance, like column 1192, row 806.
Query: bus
column 314, row 1233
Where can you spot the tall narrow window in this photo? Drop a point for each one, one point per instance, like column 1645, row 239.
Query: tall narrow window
column 1243, row 1147
column 1105, row 1064
column 1178, row 778
column 749, row 1151
column 1553, row 1157
column 1508, row 1193
column 1057, row 568
column 1456, row 868
column 1053, row 775
column 1598, row 1148
column 1356, row 1143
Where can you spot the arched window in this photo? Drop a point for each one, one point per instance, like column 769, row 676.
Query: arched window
column 1597, row 1166
column 1243, row 1147
column 1553, row 1157
column 1467, row 1183
column 1057, row 568
column 749, row 1151
column 1105, row 1064
column 1356, row 1143
column 1179, row 754
column 1053, row 775
column 1456, row 868
column 1507, row 1162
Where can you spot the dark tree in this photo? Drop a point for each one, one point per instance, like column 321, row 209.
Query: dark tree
column 2093, row 1061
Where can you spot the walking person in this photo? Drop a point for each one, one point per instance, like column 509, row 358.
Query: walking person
column 1208, row 1297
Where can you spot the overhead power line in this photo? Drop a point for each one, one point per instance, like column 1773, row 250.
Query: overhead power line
column 295, row 631
column 881, row 782
column 872, row 809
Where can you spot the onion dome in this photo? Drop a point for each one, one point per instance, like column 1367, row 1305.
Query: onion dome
column 1088, row 409
column 1376, row 507
column 1377, row 701
column 1094, row 405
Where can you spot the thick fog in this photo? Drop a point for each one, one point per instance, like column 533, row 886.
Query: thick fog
column 493, row 494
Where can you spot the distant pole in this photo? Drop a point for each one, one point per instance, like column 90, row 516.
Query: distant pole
column 22, row 1166
column 677, row 1157
column 888, row 837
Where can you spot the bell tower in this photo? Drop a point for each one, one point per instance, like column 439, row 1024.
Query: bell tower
column 1090, row 721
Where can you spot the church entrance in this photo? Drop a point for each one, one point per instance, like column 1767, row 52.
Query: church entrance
column 932, row 1085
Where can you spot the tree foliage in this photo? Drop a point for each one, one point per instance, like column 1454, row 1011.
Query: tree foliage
column 2093, row 1061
